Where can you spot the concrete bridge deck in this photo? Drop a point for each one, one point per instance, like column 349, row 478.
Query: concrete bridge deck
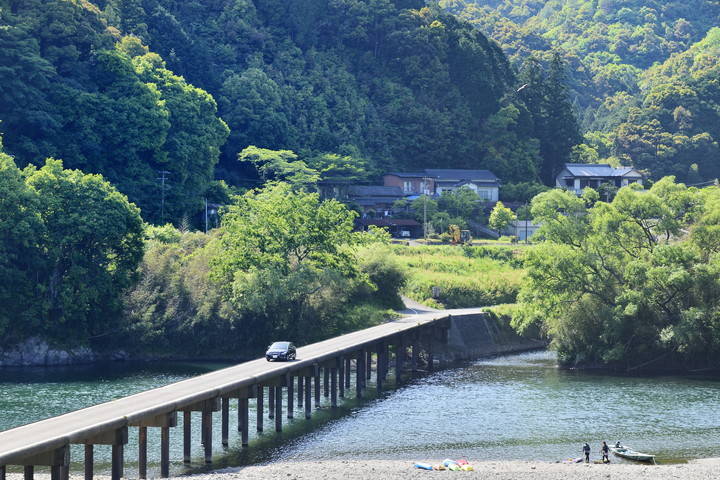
column 47, row 442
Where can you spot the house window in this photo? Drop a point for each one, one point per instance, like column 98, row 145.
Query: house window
column 407, row 187
column 484, row 194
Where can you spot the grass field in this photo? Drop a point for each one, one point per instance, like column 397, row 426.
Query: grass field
column 467, row 276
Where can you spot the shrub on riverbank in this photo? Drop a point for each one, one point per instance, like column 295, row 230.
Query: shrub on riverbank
column 468, row 276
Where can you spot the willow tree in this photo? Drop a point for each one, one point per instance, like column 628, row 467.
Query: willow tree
column 621, row 283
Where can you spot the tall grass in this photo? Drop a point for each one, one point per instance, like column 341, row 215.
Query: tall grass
column 468, row 276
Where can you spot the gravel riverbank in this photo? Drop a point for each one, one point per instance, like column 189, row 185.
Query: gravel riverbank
column 704, row 469
column 495, row 470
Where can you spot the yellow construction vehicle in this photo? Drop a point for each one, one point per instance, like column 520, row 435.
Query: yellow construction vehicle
column 459, row 237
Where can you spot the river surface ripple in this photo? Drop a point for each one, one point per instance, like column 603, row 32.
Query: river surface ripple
column 519, row 407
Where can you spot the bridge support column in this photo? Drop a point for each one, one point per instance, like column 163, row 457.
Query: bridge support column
column 379, row 374
column 290, row 382
column 165, row 452
column 399, row 361
column 326, row 382
column 225, row 428
column 308, row 397
column 206, row 407
column 333, row 386
column 187, row 430
column 2, row 472
column 142, row 453
column 271, row 403
column 278, row 409
column 368, row 366
column 348, row 365
column 301, row 391
column 89, row 462
column 243, row 412
column 317, row 385
column 259, row 407
column 341, row 376
column 415, row 353
column 207, row 434
column 360, row 373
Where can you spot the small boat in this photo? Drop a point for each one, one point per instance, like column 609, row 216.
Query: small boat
column 631, row 454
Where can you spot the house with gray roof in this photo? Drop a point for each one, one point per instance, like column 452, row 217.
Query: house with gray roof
column 375, row 201
column 576, row 176
column 434, row 181
column 482, row 182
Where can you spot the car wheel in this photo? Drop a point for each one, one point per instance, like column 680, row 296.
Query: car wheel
column 292, row 356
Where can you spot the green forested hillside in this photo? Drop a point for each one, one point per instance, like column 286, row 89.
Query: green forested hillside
column 132, row 88
column 642, row 73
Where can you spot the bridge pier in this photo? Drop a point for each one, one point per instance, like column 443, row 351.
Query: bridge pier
column 341, row 376
column 301, row 391
column 259, row 407
column 290, row 382
column 225, row 422
column 271, row 402
column 308, row 400
column 399, row 360
column 164, row 422
column 348, row 365
column 206, row 408
column 360, row 373
column 316, row 375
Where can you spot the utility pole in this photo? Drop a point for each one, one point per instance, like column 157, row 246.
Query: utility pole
column 425, row 197
column 162, row 180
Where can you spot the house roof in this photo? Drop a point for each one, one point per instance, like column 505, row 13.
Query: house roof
column 456, row 175
column 409, row 175
column 403, row 222
column 599, row 170
column 376, row 191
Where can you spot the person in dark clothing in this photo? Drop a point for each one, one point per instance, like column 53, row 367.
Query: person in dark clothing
column 586, row 449
column 604, row 450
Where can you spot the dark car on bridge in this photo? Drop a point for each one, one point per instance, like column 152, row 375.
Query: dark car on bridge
column 281, row 351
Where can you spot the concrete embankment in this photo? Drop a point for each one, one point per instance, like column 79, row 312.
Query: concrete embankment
column 474, row 336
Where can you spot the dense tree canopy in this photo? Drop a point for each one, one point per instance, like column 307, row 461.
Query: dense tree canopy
column 631, row 283
column 71, row 244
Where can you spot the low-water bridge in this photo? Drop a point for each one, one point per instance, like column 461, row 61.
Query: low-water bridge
column 325, row 364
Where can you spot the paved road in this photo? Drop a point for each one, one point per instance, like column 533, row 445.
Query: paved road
column 75, row 427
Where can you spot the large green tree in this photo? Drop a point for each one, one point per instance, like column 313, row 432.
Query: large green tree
column 21, row 259
column 286, row 261
column 92, row 244
column 620, row 283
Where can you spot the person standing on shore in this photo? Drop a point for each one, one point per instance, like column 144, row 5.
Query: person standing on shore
column 586, row 449
column 604, row 450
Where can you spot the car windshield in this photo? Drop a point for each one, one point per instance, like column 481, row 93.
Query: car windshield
column 279, row 345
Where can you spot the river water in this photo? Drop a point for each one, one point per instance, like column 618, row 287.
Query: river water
column 516, row 407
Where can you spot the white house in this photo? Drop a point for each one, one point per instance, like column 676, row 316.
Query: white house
column 482, row 182
column 576, row 176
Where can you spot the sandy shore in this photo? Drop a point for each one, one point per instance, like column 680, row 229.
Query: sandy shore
column 496, row 470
